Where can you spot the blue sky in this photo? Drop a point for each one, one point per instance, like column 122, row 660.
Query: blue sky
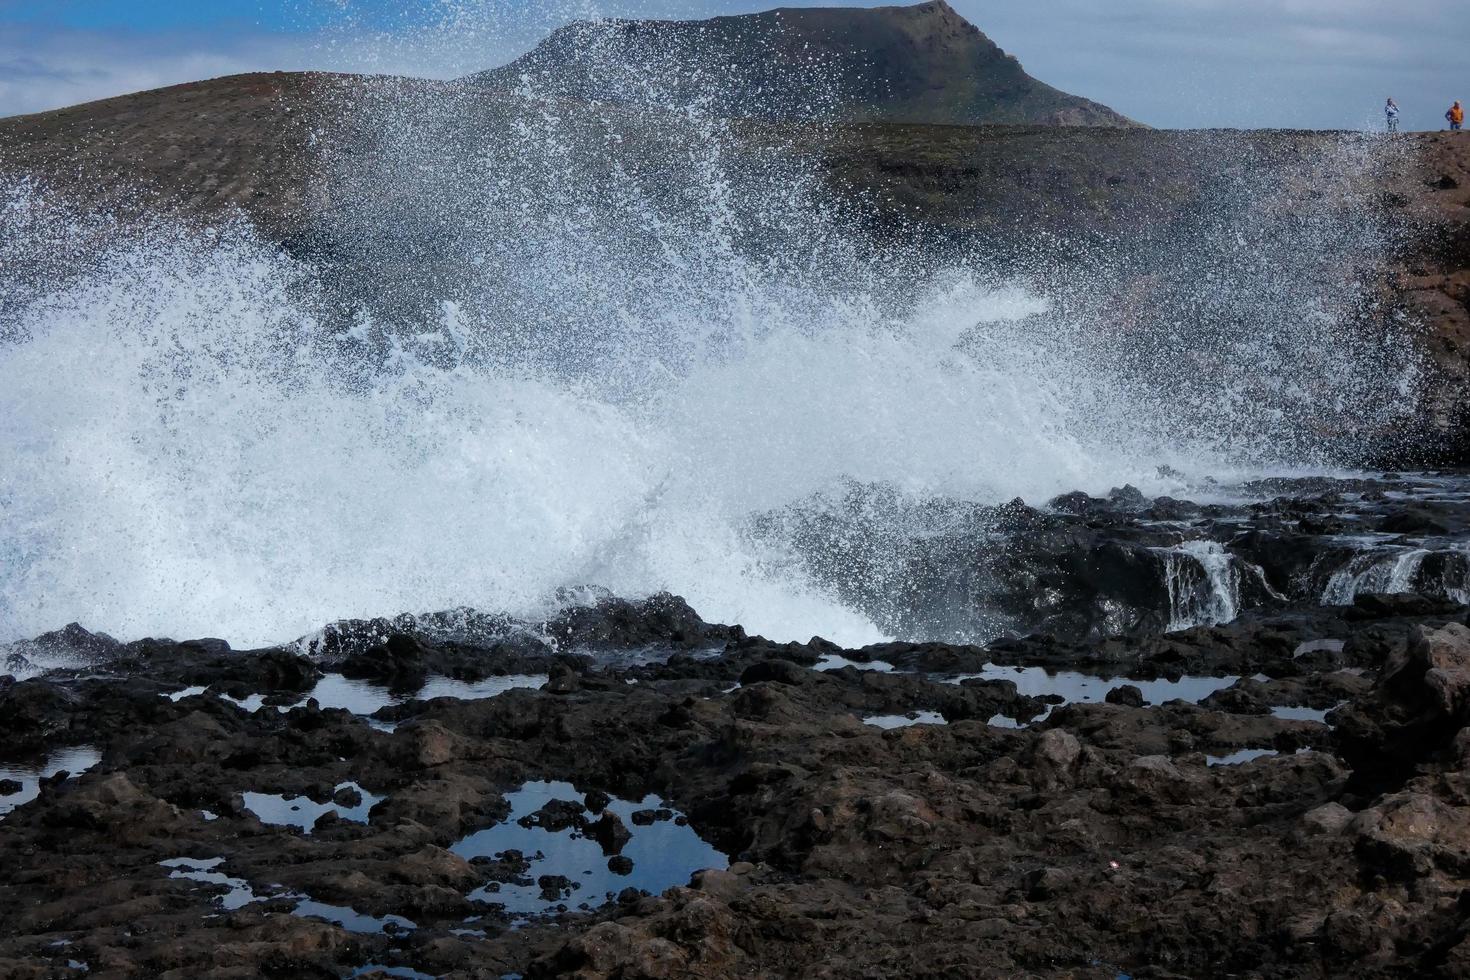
column 162, row 15
column 1301, row 63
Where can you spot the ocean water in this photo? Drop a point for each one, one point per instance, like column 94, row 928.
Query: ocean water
column 576, row 349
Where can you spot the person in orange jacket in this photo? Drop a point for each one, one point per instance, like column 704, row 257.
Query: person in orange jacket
column 1456, row 115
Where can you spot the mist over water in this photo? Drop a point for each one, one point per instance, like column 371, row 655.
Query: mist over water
column 551, row 345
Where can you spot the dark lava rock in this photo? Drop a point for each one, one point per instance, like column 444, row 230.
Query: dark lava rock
column 1125, row 694
column 554, row 884
column 1415, row 710
column 1127, row 496
column 562, row 679
column 32, row 709
column 556, row 816
column 1076, row 503
column 1098, row 841
column 775, row 671
column 1169, row 509
column 623, row 624
column 609, row 831
column 73, row 640
column 14, row 664
column 273, row 670
column 401, row 661
column 1043, row 884
column 347, row 796
column 1413, row 520
column 1372, row 605
column 211, row 646
column 1244, row 697
column 9, row 787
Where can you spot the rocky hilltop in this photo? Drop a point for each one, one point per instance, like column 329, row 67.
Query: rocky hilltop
column 919, row 64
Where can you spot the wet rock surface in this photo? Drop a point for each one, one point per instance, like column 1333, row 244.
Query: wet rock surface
column 1282, row 795
column 1090, row 568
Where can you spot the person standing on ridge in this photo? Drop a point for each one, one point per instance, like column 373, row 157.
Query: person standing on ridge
column 1456, row 115
column 1392, row 112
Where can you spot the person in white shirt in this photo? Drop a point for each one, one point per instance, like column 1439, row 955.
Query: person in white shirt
column 1392, row 111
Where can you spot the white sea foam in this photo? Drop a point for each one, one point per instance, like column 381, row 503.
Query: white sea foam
column 186, row 460
column 597, row 385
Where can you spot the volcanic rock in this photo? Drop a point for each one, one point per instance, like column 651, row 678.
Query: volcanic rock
column 918, row 64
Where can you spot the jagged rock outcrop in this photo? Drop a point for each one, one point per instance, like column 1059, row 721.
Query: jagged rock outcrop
column 784, row 835
column 918, row 64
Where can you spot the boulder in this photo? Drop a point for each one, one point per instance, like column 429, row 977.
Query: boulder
column 1414, row 712
column 1053, row 759
column 774, row 671
column 1126, row 694
column 401, row 660
column 1412, row 834
column 1158, row 778
column 614, row 623
column 613, row 950
column 1329, row 818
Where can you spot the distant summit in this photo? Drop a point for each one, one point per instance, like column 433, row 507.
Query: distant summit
column 919, row 64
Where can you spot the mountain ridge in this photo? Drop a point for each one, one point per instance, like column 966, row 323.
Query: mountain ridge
column 917, row 64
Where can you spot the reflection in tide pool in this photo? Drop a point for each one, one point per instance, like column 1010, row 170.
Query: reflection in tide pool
column 238, row 892
column 302, row 813
column 364, row 698
column 1243, row 756
column 379, row 970
column 75, row 760
column 904, row 721
column 1075, row 687
column 335, row 692
column 1078, row 688
column 664, row 854
column 1239, row 758
column 1298, row 713
column 832, row 661
column 351, row 919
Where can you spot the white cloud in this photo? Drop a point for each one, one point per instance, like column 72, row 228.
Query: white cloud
column 1298, row 63
column 47, row 70
column 42, row 70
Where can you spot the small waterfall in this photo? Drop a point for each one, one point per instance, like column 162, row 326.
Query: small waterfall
column 1373, row 571
column 1461, row 593
column 1203, row 580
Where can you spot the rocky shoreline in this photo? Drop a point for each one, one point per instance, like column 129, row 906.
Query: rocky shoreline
column 627, row 791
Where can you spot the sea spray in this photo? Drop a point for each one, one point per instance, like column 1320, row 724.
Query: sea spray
column 551, row 345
